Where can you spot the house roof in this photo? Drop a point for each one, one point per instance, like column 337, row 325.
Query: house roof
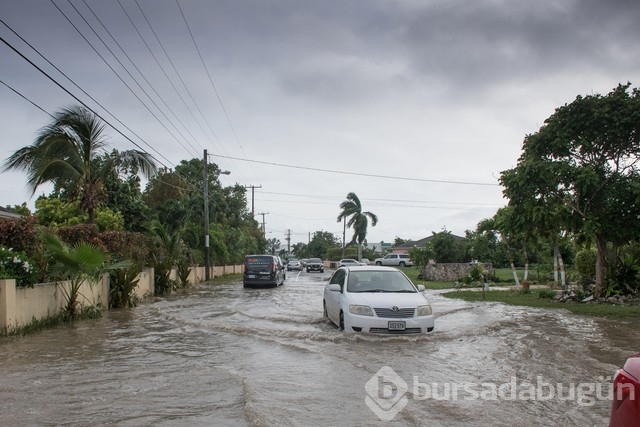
column 420, row 243
column 8, row 213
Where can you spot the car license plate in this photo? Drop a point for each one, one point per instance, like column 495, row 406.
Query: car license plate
column 251, row 276
column 396, row 326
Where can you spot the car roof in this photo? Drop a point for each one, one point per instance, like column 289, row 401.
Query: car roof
column 370, row 268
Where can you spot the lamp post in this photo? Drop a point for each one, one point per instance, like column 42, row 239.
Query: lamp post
column 206, row 215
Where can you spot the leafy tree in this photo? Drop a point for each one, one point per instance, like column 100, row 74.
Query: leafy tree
column 22, row 209
column 299, row 250
column 122, row 185
column 398, row 241
column 356, row 219
column 166, row 256
column 273, row 245
column 64, row 153
column 446, row 248
column 320, row 244
column 422, row 256
column 585, row 157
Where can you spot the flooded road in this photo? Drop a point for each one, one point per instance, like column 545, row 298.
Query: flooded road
column 228, row 356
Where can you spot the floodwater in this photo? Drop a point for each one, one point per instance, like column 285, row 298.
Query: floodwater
column 229, row 356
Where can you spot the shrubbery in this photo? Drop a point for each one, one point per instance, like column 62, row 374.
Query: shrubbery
column 18, row 266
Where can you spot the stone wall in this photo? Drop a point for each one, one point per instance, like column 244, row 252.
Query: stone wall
column 449, row 272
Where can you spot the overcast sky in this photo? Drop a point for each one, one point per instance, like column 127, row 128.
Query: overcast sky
column 416, row 106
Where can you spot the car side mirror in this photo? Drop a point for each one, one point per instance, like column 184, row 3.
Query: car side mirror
column 335, row 288
column 421, row 288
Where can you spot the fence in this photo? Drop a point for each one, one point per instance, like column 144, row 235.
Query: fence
column 20, row 306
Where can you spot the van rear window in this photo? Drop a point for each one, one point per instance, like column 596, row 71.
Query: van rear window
column 259, row 260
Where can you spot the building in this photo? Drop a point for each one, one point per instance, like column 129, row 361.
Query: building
column 8, row 213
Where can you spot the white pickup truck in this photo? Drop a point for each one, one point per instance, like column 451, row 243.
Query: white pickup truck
column 395, row 260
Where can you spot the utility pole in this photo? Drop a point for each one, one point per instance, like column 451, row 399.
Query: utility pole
column 344, row 231
column 206, row 216
column 205, row 176
column 253, row 187
column 288, row 239
column 264, row 230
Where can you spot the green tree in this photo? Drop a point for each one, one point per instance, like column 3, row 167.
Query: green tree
column 585, row 157
column 122, row 185
column 299, row 250
column 273, row 245
column 356, row 219
column 63, row 154
column 447, row 248
column 320, row 244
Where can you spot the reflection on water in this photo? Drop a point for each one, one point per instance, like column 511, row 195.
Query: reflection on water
column 225, row 355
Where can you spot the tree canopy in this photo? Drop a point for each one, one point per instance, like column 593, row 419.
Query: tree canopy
column 579, row 173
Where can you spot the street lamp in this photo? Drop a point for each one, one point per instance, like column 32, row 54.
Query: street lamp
column 206, row 215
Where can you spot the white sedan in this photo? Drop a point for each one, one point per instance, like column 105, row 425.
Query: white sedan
column 350, row 262
column 376, row 299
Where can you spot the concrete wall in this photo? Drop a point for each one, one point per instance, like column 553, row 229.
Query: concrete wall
column 19, row 306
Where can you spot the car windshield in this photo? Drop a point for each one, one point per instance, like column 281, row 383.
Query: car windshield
column 379, row 281
column 315, row 260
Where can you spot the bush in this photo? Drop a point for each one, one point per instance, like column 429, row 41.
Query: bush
column 546, row 294
column 18, row 266
column 585, row 264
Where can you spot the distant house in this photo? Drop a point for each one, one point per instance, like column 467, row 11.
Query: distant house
column 405, row 247
column 8, row 213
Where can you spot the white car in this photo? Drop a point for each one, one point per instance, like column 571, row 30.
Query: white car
column 394, row 260
column 350, row 262
column 376, row 299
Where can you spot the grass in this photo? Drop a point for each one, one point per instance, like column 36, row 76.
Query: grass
column 533, row 299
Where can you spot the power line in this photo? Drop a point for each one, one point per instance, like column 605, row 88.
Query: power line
column 315, row 196
column 368, row 175
column 164, row 72
column 75, row 97
column 118, row 75
column 28, row 100
column 215, row 90
column 145, row 79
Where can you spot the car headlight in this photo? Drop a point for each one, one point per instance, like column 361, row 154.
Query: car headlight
column 362, row 310
column 423, row 310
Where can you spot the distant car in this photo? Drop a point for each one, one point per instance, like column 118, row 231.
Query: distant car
column 303, row 262
column 378, row 300
column 394, row 260
column 315, row 264
column 294, row 264
column 350, row 262
column 261, row 270
column 625, row 407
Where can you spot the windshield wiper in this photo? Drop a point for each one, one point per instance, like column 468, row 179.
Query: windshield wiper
column 405, row 291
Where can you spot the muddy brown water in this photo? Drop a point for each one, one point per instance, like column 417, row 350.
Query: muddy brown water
column 229, row 356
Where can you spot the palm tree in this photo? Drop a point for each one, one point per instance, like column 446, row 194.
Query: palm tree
column 354, row 216
column 64, row 154
column 83, row 262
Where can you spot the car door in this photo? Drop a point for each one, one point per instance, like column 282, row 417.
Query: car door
column 332, row 298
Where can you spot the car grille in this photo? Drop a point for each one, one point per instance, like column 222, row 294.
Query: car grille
column 397, row 314
column 386, row 331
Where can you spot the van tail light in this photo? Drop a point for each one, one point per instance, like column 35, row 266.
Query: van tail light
column 625, row 386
